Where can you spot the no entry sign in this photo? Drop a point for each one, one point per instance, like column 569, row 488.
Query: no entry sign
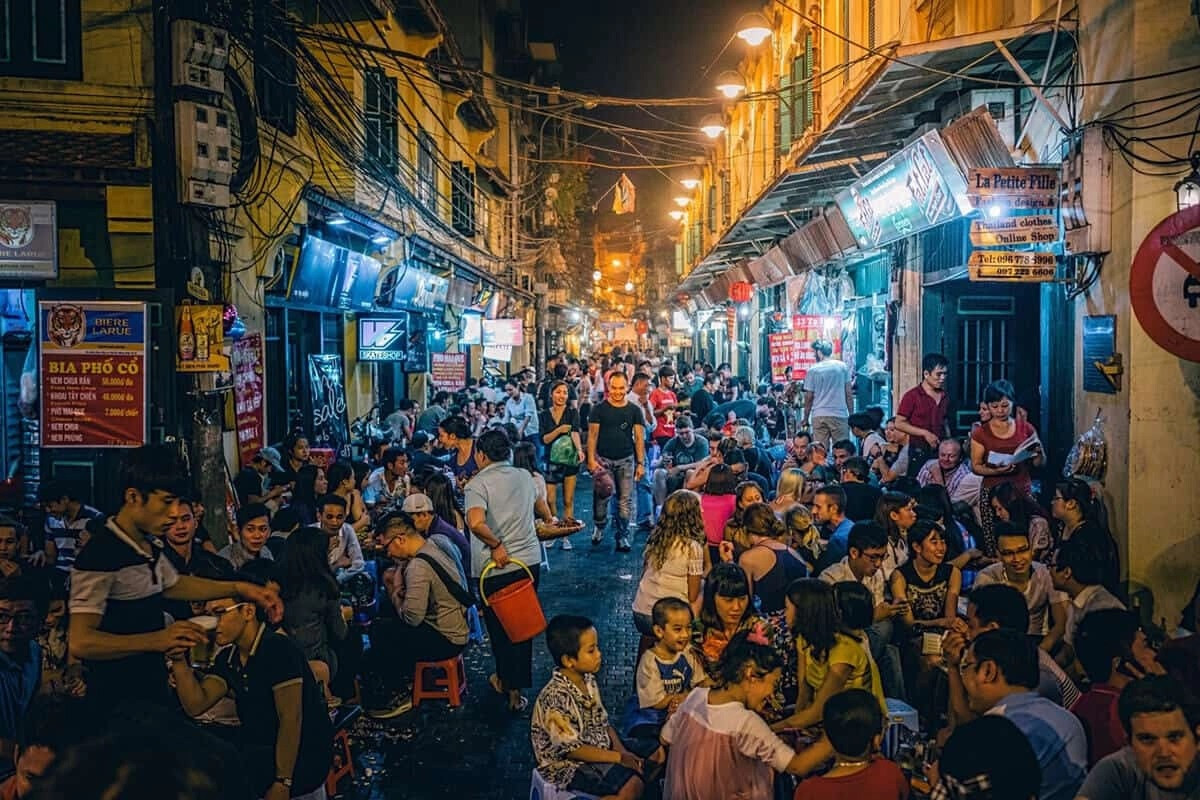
column 1164, row 284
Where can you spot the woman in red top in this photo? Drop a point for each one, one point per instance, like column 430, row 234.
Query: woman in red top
column 993, row 445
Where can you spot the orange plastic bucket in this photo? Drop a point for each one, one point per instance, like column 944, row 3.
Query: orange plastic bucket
column 516, row 606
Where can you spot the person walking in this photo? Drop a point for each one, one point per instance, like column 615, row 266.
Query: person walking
column 828, row 396
column 616, row 443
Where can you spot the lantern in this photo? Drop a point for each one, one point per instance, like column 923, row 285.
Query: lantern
column 642, row 327
column 740, row 291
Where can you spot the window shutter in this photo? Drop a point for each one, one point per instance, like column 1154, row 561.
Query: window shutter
column 783, row 128
column 806, row 95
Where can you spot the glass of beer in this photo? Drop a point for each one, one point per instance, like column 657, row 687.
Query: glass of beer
column 201, row 655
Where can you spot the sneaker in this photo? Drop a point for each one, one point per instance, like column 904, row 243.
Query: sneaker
column 623, row 544
column 566, row 544
column 399, row 703
column 597, row 536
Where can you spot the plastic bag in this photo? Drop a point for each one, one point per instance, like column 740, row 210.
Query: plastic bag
column 1089, row 457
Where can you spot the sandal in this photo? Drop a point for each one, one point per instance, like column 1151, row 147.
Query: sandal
column 494, row 682
column 522, row 704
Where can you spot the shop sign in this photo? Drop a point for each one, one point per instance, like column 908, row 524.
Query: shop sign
column 1013, row 181
column 502, row 332
column 249, row 387
column 382, row 338
column 915, row 189
column 1164, row 284
column 327, row 386
column 1006, row 265
column 449, row 371
column 1031, row 202
column 417, row 290
column 498, row 352
column 28, row 240
column 1033, row 229
column 92, row 358
column 199, row 338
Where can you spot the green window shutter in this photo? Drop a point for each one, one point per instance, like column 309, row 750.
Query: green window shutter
column 807, row 89
column 783, row 120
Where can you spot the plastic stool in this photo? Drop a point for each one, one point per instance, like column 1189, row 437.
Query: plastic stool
column 542, row 789
column 343, row 761
column 449, row 686
column 474, row 626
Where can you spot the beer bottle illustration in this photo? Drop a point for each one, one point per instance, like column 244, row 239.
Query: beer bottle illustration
column 203, row 339
column 187, row 336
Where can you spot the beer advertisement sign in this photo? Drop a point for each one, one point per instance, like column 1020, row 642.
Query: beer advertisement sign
column 199, row 336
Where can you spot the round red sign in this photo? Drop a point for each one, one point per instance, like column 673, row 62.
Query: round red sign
column 1164, row 284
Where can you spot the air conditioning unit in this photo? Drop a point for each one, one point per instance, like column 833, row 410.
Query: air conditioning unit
column 997, row 102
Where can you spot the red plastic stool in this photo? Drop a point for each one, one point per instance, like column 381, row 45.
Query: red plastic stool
column 449, row 685
column 343, row 762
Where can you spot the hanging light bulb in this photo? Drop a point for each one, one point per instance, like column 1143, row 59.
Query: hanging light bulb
column 676, row 214
column 682, row 201
column 754, row 29
column 596, row 276
column 712, row 126
column 730, row 84
column 629, row 286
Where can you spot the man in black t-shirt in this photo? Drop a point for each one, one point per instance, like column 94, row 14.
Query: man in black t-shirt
column 285, row 726
column 861, row 497
column 250, row 484
column 616, row 443
column 702, row 400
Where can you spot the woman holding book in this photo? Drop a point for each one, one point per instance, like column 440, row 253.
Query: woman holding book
column 1003, row 450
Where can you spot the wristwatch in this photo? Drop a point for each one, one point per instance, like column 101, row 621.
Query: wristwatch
column 285, row 782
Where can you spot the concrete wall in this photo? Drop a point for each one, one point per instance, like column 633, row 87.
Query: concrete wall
column 1152, row 424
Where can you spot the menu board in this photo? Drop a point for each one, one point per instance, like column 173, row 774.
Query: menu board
column 449, row 371
column 92, row 357
column 248, row 391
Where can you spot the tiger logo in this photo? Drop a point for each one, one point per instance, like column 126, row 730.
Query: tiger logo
column 66, row 325
column 16, row 226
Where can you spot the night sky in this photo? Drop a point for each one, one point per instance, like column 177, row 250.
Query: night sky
column 631, row 48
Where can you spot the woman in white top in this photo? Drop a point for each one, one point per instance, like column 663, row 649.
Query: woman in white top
column 676, row 558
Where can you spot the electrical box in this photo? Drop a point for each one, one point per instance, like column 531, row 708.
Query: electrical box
column 1087, row 193
column 204, row 149
column 199, row 54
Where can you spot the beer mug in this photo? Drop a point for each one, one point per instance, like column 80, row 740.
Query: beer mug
column 201, row 655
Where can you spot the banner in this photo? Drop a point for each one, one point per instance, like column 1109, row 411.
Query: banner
column 199, row 336
column 28, row 240
column 784, row 356
column 449, row 371
column 248, row 389
column 92, row 357
column 624, row 196
column 327, row 387
column 806, row 329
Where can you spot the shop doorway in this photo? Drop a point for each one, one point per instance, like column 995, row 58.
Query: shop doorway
column 988, row 332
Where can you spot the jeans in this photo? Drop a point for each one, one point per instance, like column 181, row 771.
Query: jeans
column 645, row 494
column 665, row 484
column 622, row 473
column 887, row 658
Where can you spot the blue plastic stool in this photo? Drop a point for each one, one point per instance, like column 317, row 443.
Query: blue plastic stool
column 474, row 626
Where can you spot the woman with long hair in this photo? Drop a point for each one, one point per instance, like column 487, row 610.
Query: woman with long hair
column 960, row 547
column 676, row 559
column 296, row 453
column 1083, row 517
column 747, row 493
column 770, row 564
column 1010, row 504
column 803, row 535
column 455, row 435
column 559, row 426
column 726, row 607
column 994, row 446
column 831, row 653
column 718, row 502
column 311, row 485
column 789, row 490
column 312, row 613
column 524, row 456
column 895, row 513
column 440, row 492
column 341, row 481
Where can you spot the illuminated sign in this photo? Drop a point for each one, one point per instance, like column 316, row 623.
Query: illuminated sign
column 383, row 338
column 503, row 332
column 28, row 240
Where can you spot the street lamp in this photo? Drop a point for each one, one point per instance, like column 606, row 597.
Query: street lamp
column 690, row 179
column 596, row 276
column 753, row 29
column 629, row 286
column 712, row 126
column 1187, row 191
column 682, row 201
column 730, row 84
column 676, row 214
column 616, row 262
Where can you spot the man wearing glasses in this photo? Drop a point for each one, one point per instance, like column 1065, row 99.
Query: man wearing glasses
column 285, row 726
column 1047, row 606
column 22, row 609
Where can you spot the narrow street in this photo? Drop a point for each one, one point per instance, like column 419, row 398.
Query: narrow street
column 481, row 751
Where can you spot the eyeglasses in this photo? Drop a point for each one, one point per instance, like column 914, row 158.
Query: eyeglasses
column 964, row 665
column 874, row 558
column 22, row 620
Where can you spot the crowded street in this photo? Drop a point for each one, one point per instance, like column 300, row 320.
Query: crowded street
column 679, row 400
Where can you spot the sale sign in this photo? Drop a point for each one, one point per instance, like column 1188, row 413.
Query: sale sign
column 248, row 388
column 449, row 371
column 92, row 357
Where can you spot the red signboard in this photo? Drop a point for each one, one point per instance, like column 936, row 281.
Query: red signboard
column 784, row 356
column 449, row 371
column 248, row 388
column 1164, row 284
column 93, row 373
column 807, row 328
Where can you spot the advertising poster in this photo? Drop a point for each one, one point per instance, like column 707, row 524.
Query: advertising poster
column 331, row 428
column 92, row 357
column 248, row 387
column 449, row 371
column 28, row 240
column 784, row 356
column 806, row 329
column 199, row 336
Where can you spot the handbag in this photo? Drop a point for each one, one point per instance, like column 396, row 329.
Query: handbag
column 563, row 452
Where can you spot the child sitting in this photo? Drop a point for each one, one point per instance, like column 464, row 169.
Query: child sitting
column 667, row 671
column 854, row 725
column 575, row 746
column 720, row 746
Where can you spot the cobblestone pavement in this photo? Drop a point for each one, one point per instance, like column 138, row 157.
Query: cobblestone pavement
column 480, row 751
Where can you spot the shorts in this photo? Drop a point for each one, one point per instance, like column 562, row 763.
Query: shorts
column 555, row 473
column 601, row 779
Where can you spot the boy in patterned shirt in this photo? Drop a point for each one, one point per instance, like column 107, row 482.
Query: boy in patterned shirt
column 575, row 746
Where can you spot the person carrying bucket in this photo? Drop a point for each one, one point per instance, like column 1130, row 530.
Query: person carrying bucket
column 505, row 558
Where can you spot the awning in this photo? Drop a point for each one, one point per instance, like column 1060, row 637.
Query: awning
column 901, row 93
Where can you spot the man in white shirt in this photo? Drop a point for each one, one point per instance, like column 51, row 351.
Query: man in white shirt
column 345, row 552
column 521, row 410
column 951, row 470
column 828, row 396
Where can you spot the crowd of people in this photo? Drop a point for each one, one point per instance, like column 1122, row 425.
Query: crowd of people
column 811, row 575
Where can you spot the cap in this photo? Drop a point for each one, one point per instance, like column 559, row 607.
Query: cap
column 271, row 456
column 416, row 503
